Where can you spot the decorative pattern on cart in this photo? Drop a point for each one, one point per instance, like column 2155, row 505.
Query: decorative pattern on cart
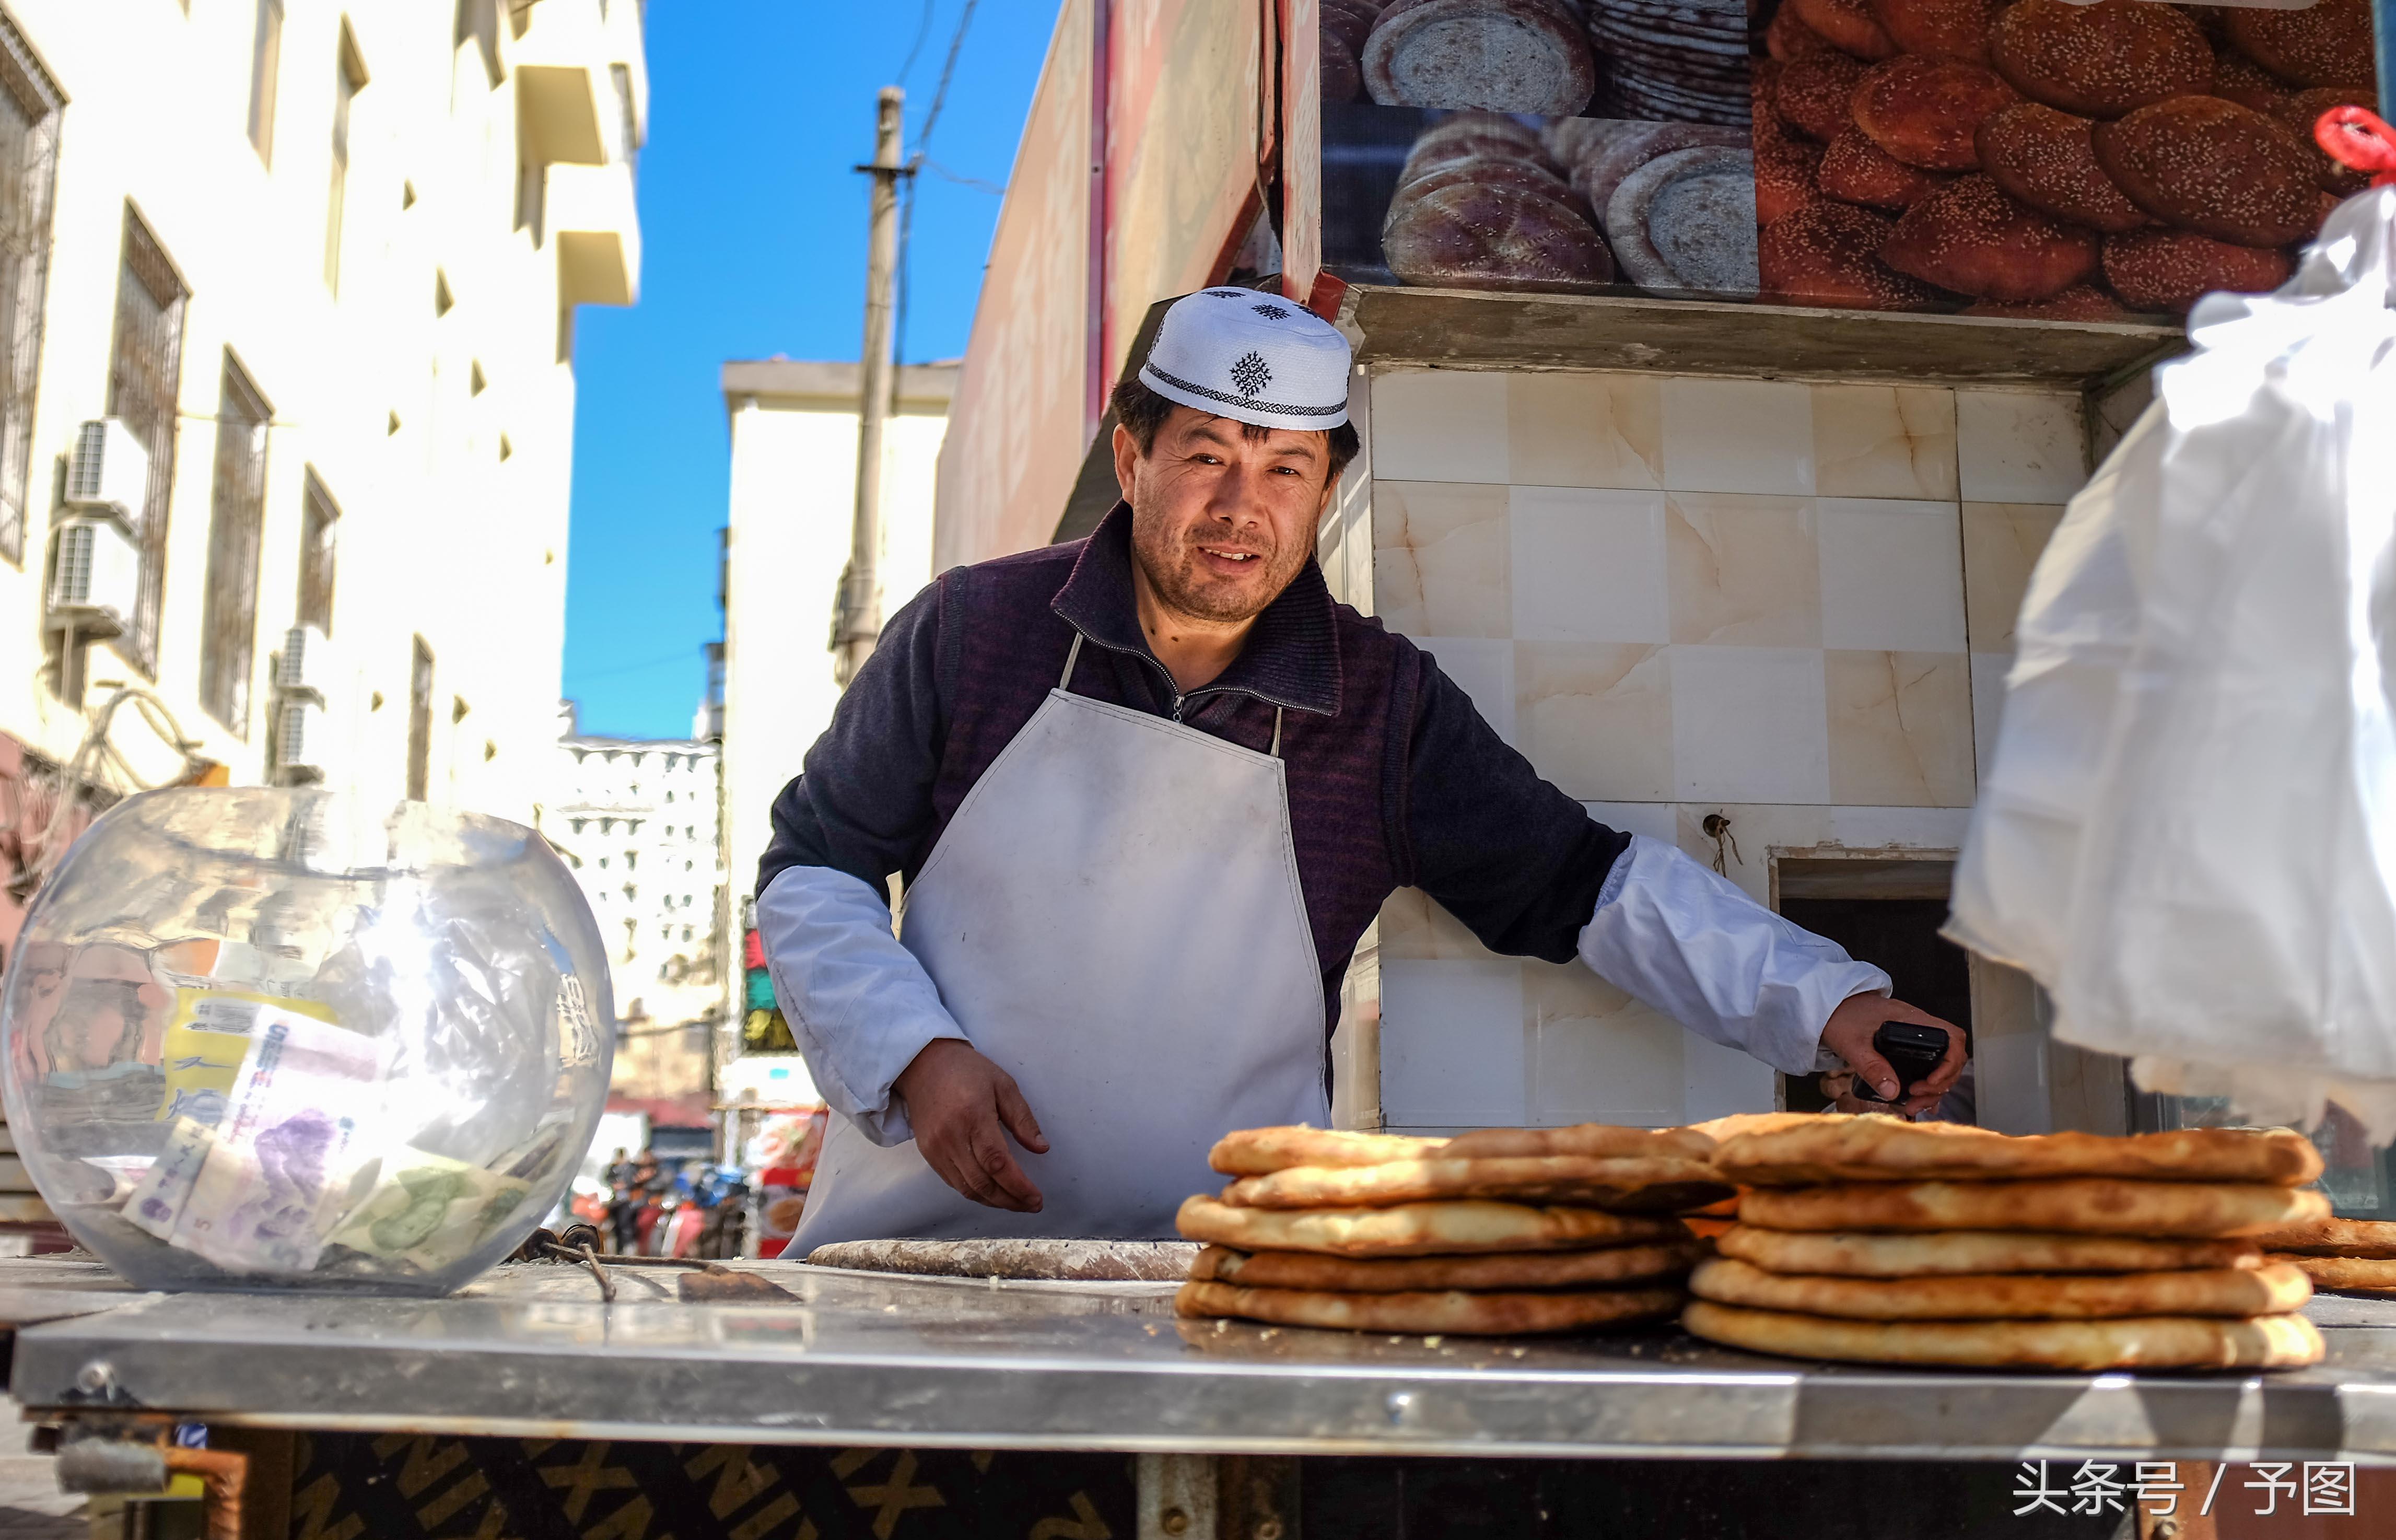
column 401, row 1486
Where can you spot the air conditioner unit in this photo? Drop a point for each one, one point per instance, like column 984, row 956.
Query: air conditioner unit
column 299, row 737
column 109, row 471
column 96, row 579
column 306, row 662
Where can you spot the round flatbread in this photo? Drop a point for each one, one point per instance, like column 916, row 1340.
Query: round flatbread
column 1451, row 1311
column 2371, row 1238
column 1684, row 222
column 1975, row 1251
column 1596, row 1141
column 2350, row 1274
column 2086, row 1347
column 1627, row 1183
column 1878, row 1149
column 1465, row 1227
column 1254, row 1151
column 2088, row 1205
column 1504, row 1271
column 2233, row 1292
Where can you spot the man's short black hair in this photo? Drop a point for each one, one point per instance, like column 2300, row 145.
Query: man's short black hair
column 1142, row 412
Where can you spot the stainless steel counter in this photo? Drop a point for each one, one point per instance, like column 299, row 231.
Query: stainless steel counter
column 868, row 1359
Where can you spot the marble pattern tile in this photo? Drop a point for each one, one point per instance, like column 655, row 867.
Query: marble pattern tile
column 1584, row 429
column 1749, row 725
column 1594, row 1055
column 1588, row 564
column 1737, row 435
column 1451, row 1043
column 2001, row 542
column 1482, row 669
column 1596, row 717
column 1765, row 831
column 1438, row 425
column 1654, row 819
column 1883, row 441
column 1743, row 570
column 1900, row 728
column 1415, row 928
column 2018, row 447
column 1442, row 561
column 1892, row 575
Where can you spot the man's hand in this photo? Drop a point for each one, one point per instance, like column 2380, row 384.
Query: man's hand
column 963, row 1107
column 1849, row 1035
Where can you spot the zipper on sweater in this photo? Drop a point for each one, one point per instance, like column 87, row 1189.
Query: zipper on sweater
column 1177, row 698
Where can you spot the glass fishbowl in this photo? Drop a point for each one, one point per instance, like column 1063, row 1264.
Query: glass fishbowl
column 261, row 1039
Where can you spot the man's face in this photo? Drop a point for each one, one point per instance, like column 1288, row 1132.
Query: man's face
column 1221, row 522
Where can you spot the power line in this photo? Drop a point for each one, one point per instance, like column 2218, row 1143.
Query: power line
column 907, row 184
column 922, row 31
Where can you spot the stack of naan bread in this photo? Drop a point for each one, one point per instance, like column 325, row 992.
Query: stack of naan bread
column 1874, row 1239
column 2348, row 1255
column 1501, row 1230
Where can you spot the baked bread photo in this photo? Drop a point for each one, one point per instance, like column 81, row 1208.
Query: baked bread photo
column 2119, row 146
column 1507, row 56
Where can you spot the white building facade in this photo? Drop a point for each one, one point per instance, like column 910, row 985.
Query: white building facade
column 321, row 259
column 637, row 821
column 794, row 430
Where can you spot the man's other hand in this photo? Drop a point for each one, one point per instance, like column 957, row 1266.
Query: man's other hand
column 1849, row 1035
column 963, row 1107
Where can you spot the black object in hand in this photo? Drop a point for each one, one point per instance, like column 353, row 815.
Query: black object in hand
column 1912, row 1053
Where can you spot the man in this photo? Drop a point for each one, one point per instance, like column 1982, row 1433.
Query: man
column 1145, row 791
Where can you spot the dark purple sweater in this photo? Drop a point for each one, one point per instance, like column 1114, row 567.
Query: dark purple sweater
column 1394, row 779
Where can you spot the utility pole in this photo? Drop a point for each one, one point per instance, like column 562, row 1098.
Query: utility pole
column 856, row 613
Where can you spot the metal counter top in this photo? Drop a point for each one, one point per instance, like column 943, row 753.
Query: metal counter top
column 871, row 1358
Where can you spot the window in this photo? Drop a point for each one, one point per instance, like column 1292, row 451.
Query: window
column 30, row 103
column 236, row 512
column 349, row 79
column 319, row 517
column 265, row 57
column 144, row 377
column 419, row 722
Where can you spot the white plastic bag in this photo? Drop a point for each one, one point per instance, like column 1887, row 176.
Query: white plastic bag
column 2189, row 831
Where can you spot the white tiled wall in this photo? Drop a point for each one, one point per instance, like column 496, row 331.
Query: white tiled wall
column 1790, row 604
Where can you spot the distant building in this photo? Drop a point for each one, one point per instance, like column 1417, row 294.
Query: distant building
column 637, row 821
column 793, row 510
column 319, row 263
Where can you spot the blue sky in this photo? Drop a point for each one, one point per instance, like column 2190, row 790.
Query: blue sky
column 754, row 230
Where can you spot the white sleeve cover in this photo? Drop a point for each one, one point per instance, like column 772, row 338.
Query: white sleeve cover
column 1689, row 943
column 859, row 1004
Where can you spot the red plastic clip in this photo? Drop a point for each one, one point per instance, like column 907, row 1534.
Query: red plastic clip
column 2359, row 140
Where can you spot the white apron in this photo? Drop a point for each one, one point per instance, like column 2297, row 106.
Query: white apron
column 1113, row 917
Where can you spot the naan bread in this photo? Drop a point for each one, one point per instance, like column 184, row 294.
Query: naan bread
column 2233, row 1292
column 1514, row 1270
column 1730, row 1126
column 1595, row 1140
column 2353, row 1274
column 2087, row 1206
column 1951, row 1252
column 1254, row 1151
column 1631, row 1184
column 2086, row 1347
column 1876, row 1149
column 1465, row 1227
column 2372, row 1238
column 1466, row 1314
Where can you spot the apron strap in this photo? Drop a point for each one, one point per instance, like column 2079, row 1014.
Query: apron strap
column 1275, row 750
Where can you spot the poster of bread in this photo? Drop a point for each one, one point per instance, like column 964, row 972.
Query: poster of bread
column 2022, row 158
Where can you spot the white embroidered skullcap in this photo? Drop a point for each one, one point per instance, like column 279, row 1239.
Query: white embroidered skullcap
column 1252, row 357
